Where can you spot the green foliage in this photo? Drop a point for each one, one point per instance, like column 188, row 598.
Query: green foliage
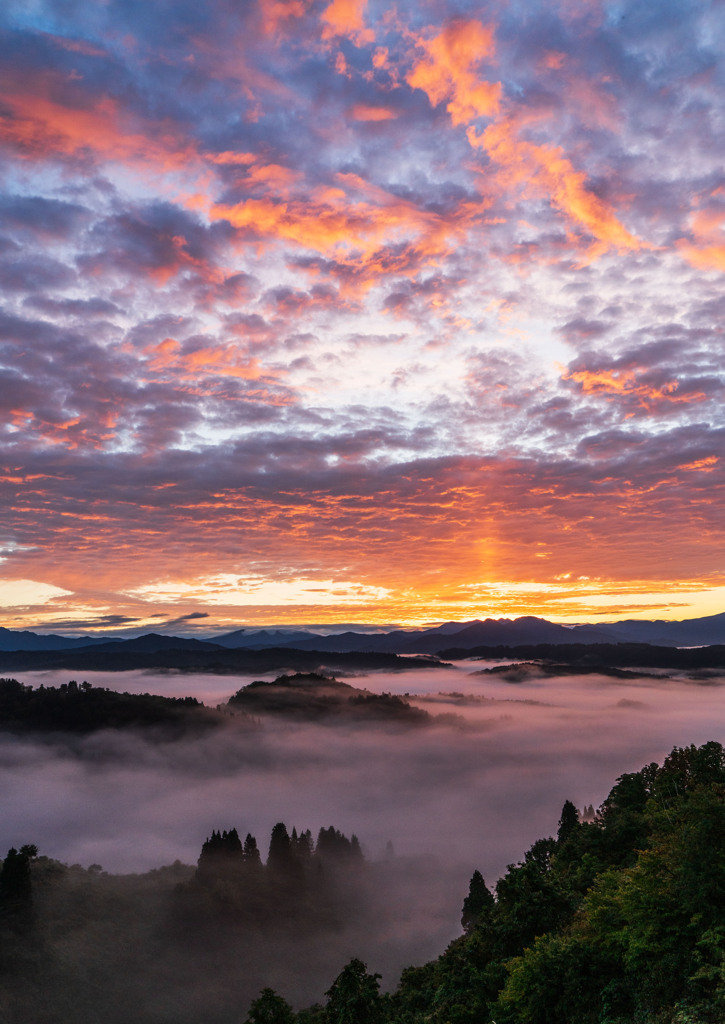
column 81, row 708
column 354, row 997
column 479, row 903
column 621, row 920
column 269, row 1008
column 568, row 822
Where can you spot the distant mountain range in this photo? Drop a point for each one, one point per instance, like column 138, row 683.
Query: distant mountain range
column 463, row 636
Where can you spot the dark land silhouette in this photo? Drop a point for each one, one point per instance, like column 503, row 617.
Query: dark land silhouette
column 525, row 630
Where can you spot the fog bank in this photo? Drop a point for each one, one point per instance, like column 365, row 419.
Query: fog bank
column 475, row 788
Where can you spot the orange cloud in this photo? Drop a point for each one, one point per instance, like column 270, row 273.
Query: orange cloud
column 76, row 431
column 624, row 382
column 346, row 18
column 215, row 360
column 447, row 71
column 706, row 465
column 270, row 177
column 39, row 124
column 545, row 170
column 353, row 231
column 707, row 251
column 553, row 60
column 361, row 112
column 276, row 12
column 229, row 157
column 470, row 520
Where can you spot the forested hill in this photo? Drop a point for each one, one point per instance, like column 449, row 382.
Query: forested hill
column 619, row 920
column 616, row 921
column 75, row 707
column 592, row 656
column 314, row 698
column 80, row 708
column 207, row 658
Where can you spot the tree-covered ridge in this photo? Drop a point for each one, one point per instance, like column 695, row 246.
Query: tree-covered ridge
column 597, row 657
column 80, row 707
column 217, row 661
column 616, row 921
column 312, row 696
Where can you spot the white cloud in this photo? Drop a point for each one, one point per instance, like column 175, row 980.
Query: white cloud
column 21, row 593
column 231, row 589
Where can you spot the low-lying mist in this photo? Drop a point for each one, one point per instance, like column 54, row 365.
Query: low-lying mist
column 471, row 790
column 477, row 786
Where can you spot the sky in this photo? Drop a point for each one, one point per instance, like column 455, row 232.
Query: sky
column 359, row 311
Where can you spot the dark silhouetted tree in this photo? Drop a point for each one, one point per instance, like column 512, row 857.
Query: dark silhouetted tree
column 568, row 822
column 251, row 853
column 16, row 888
column 221, row 855
column 355, row 996
column 332, row 845
column 280, row 849
column 477, row 904
column 305, row 846
column 269, row 1008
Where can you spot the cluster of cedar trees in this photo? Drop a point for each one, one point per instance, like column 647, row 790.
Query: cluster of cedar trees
column 618, row 920
column 309, row 883
column 289, row 854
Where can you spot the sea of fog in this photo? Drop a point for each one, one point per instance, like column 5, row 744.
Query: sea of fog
column 472, row 790
column 476, row 788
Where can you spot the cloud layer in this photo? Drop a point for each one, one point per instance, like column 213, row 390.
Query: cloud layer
column 416, row 309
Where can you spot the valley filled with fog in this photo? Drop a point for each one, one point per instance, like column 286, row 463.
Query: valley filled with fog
column 472, row 786
column 481, row 782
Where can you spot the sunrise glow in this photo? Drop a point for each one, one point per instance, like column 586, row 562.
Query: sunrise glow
column 332, row 312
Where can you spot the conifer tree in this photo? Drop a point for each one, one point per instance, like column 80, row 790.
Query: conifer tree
column 251, row 853
column 568, row 822
column 354, row 997
column 221, row 854
column 280, row 849
column 477, row 904
column 232, row 843
column 305, row 845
